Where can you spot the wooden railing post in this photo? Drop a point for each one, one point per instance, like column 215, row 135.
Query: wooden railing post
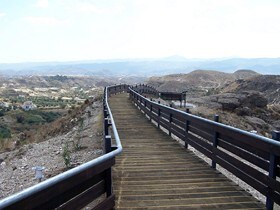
column 273, row 162
column 106, row 126
column 158, row 115
column 108, row 172
column 151, row 111
column 215, row 142
column 105, row 113
column 170, row 124
column 187, row 130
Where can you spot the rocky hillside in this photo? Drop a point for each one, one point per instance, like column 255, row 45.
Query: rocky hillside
column 269, row 85
column 244, row 99
column 198, row 79
column 60, row 81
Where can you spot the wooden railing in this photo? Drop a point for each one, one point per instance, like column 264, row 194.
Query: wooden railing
column 79, row 186
column 142, row 89
column 252, row 158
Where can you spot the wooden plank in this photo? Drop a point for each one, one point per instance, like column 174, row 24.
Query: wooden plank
column 106, row 204
column 164, row 115
column 178, row 122
column 178, row 131
column 250, row 171
column 200, row 148
column 201, row 127
column 201, row 142
column 243, row 176
column 237, row 142
column 165, row 124
column 201, row 133
column 85, row 197
column 252, row 158
column 248, row 140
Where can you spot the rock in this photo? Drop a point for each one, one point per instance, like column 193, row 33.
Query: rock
column 243, row 111
column 254, row 99
column 276, row 124
column 14, row 168
column 22, row 136
column 255, row 121
column 3, row 165
column 229, row 101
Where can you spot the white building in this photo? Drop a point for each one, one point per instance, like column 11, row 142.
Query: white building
column 28, row 105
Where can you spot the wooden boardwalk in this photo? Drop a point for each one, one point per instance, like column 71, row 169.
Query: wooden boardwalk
column 155, row 172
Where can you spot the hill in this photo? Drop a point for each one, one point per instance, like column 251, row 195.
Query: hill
column 268, row 85
column 201, row 80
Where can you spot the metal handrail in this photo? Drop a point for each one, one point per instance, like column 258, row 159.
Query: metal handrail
column 58, row 178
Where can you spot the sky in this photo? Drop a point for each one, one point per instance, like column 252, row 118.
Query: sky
column 68, row 30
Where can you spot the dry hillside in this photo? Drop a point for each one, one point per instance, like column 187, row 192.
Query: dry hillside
column 198, row 80
column 269, row 85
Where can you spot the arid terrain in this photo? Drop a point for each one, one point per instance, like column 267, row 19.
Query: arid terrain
column 65, row 128
column 244, row 99
column 78, row 144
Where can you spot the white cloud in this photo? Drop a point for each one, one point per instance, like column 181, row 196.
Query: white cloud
column 42, row 3
column 50, row 21
column 2, row 14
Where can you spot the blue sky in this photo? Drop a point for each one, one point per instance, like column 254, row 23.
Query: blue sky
column 65, row 30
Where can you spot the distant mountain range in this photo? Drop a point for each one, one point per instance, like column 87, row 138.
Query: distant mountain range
column 141, row 67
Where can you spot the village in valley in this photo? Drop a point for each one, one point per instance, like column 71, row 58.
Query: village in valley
column 28, row 103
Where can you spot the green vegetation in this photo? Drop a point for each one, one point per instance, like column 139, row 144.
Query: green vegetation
column 2, row 113
column 43, row 101
column 77, row 144
column 66, row 156
column 36, row 117
column 4, row 132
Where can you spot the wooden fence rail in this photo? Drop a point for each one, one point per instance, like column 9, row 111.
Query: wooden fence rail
column 79, row 186
column 252, row 158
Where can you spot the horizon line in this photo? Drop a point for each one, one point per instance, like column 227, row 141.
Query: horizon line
column 134, row 59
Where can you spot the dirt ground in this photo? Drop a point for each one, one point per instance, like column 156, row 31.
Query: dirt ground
column 84, row 143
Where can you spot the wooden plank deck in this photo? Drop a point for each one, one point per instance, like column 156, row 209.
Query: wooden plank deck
column 155, row 172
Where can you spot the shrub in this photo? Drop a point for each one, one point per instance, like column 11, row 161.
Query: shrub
column 4, row 132
column 20, row 118
column 66, row 156
column 34, row 119
column 2, row 113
